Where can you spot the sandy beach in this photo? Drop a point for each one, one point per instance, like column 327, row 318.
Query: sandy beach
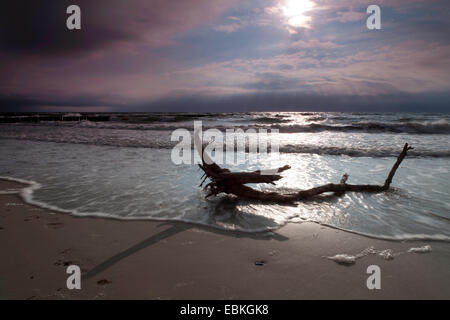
column 168, row 260
column 225, row 150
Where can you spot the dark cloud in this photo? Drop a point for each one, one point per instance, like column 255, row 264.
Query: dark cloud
column 430, row 102
column 435, row 102
column 19, row 103
column 39, row 26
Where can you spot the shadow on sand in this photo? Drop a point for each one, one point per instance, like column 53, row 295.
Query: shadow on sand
column 177, row 227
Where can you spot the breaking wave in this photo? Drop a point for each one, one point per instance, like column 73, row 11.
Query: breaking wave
column 432, row 127
column 314, row 124
column 300, row 149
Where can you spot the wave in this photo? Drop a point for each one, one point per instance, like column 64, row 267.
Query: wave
column 300, row 149
column 270, row 120
column 281, row 124
column 360, row 152
column 430, row 127
column 399, row 237
column 27, row 195
column 161, row 118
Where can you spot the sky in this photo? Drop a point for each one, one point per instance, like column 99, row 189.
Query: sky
column 225, row 55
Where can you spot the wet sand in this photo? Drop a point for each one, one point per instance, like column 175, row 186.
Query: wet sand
column 169, row 260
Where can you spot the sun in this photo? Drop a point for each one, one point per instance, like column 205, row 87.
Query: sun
column 295, row 11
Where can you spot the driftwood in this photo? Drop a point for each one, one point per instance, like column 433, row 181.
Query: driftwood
column 224, row 181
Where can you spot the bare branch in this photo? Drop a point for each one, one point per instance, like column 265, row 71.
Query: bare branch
column 222, row 180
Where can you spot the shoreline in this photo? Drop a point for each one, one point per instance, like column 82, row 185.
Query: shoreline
column 30, row 186
column 142, row 259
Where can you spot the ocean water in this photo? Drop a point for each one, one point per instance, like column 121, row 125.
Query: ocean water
column 122, row 169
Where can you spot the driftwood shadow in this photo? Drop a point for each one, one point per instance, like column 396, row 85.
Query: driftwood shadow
column 175, row 228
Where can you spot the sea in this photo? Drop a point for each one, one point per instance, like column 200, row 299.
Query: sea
column 120, row 165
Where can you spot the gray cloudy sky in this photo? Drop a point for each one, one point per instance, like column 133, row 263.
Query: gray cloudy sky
column 225, row 55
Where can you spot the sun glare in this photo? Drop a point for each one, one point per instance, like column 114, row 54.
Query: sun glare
column 295, row 11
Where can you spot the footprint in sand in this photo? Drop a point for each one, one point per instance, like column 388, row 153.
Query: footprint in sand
column 63, row 262
column 65, row 258
column 260, row 263
column 55, row 225
column 103, row 282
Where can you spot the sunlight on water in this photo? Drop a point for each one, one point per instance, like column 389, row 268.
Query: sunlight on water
column 142, row 183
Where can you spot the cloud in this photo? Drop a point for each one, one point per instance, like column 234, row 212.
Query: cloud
column 410, row 67
column 139, row 54
column 10, row 103
column 228, row 27
column 312, row 44
column 270, row 81
column 349, row 16
column 39, row 27
column 273, row 101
